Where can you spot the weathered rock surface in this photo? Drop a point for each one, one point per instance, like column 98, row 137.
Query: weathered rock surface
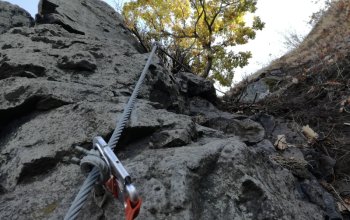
column 94, row 19
column 195, row 86
column 67, row 79
column 13, row 16
column 255, row 92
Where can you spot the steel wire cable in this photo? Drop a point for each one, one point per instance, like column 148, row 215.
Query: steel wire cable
column 128, row 108
column 91, row 179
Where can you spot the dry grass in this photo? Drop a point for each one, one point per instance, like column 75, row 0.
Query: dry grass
column 315, row 90
column 326, row 45
column 327, row 42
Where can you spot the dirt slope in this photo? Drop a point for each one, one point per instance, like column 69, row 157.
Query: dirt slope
column 310, row 86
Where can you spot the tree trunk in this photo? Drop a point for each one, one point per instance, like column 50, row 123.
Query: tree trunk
column 208, row 66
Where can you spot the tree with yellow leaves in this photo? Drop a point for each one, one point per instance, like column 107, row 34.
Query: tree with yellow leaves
column 200, row 33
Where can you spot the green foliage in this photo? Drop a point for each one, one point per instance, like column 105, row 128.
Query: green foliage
column 201, row 32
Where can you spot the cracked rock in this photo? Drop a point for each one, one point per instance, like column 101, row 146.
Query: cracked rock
column 78, row 61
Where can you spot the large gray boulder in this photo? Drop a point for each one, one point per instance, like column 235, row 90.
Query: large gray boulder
column 13, row 16
column 66, row 80
column 214, row 179
column 91, row 18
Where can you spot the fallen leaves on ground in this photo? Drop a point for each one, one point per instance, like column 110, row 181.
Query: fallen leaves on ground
column 311, row 135
column 281, row 142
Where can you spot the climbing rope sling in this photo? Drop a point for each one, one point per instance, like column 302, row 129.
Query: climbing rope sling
column 105, row 164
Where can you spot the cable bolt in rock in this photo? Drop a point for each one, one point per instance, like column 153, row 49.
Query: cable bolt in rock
column 120, row 181
column 113, row 176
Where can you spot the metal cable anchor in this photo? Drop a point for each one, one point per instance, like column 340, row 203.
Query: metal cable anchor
column 113, row 176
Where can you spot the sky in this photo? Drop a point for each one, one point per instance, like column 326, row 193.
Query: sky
column 280, row 16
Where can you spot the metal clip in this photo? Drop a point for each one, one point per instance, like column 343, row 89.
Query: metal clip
column 122, row 177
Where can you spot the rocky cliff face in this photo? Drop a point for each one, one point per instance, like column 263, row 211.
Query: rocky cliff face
column 13, row 16
column 66, row 80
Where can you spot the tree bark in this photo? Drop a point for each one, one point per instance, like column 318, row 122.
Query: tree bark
column 208, row 66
